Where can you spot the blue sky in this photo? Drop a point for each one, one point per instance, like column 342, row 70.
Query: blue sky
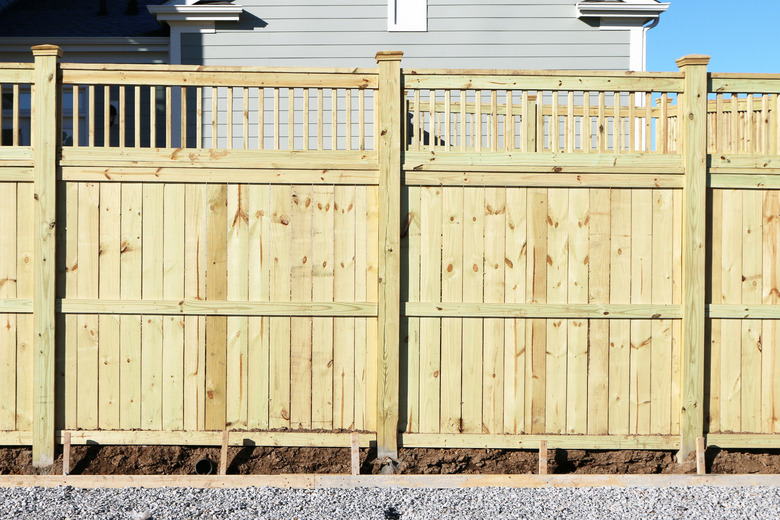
column 740, row 36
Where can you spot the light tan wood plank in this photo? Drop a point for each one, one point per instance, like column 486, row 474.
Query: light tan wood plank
column 279, row 377
column 109, row 287
column 301, row 290
column 514, row 292
column 641, row 292
column 322, row 290
column 557, row 292
column 153, row 244
column 473, row 271
column 452, row 290
column 577, row 335
column 620, row 330
column 89, row 219
column 598, row 292
column 216, row 289
column 430, row 291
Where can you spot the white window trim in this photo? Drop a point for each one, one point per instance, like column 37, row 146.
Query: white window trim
column 407, row 15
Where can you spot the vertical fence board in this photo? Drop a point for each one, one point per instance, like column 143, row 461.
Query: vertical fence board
column 152, row 288
column 322, row 291
column 557, row 289
column 514, row 292
column 258, row 371
column 109, row 288
column 89, row 219
column 620, row 330
column 430, row 291
column 598, row 265
column 473, row 234
column 216, row 289
column 279, row 377
column 577, row 335
column 301, row 291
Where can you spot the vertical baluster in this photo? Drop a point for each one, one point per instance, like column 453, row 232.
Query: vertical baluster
column 214, row 116
column 587, row 123
column 137, row 117
column 750, row 128
column 261, row 118
column 245, row 117
column 478, row 121
column 91, row 135
column 122, row 117
column 15, row 115
column 183, row 124
column 431, row 119
column 648, row 122
column 554, row 124
column 229, row 122
column 632, row 122
column 525, row 121
column 320, row 111
column 509, row 124
column 362, row 119
column 305, row 118
column 602, row 126
column 168, row 116
column 463, row 135
column 153, row 117
column 764, row 124
column 416, row 126
column 540, row 121
column 493, row 120
column 570, row 122
column 734, row 133
column 199, row 117
column 664, row 123
column 349, row 118
column 106, row 116
column 334, row 119
column 617, row 125
column 276, row 118
column 76, row 116
column 447, row 122
column 290, row 118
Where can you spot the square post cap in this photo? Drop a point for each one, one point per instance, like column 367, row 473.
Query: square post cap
column 693, row 59
column 389, row 56
column 47, row 50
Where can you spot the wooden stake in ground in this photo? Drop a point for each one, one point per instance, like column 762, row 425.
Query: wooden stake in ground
column 543, row 457
column 66, row 454
column 701, row 469
column 355, row 454
column 223, row 454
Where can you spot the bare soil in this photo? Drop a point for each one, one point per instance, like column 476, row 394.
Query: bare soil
column 178, row 460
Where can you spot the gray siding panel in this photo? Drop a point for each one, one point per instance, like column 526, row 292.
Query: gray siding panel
column 496, row 34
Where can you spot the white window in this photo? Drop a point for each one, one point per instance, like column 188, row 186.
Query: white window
column 407, row 15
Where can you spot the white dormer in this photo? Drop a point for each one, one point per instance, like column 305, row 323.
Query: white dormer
column 407, row 15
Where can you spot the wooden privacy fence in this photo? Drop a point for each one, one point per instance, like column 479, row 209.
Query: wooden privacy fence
column 436, row 258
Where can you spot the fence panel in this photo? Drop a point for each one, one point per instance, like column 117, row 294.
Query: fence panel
column 228, row 257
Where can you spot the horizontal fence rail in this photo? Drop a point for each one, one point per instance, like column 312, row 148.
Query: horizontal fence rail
column 431, row 257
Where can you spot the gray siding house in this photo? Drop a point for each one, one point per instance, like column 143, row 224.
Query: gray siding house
column 491, row 34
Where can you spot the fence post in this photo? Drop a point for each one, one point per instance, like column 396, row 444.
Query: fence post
column 694, row 137
column 388, row 133
column 46, row 137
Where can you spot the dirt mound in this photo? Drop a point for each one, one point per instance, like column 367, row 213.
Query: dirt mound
column 180, row 460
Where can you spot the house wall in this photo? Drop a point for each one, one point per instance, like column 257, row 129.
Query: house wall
column 500, row 34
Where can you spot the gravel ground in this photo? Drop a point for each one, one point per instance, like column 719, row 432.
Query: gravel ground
column 703, row 502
